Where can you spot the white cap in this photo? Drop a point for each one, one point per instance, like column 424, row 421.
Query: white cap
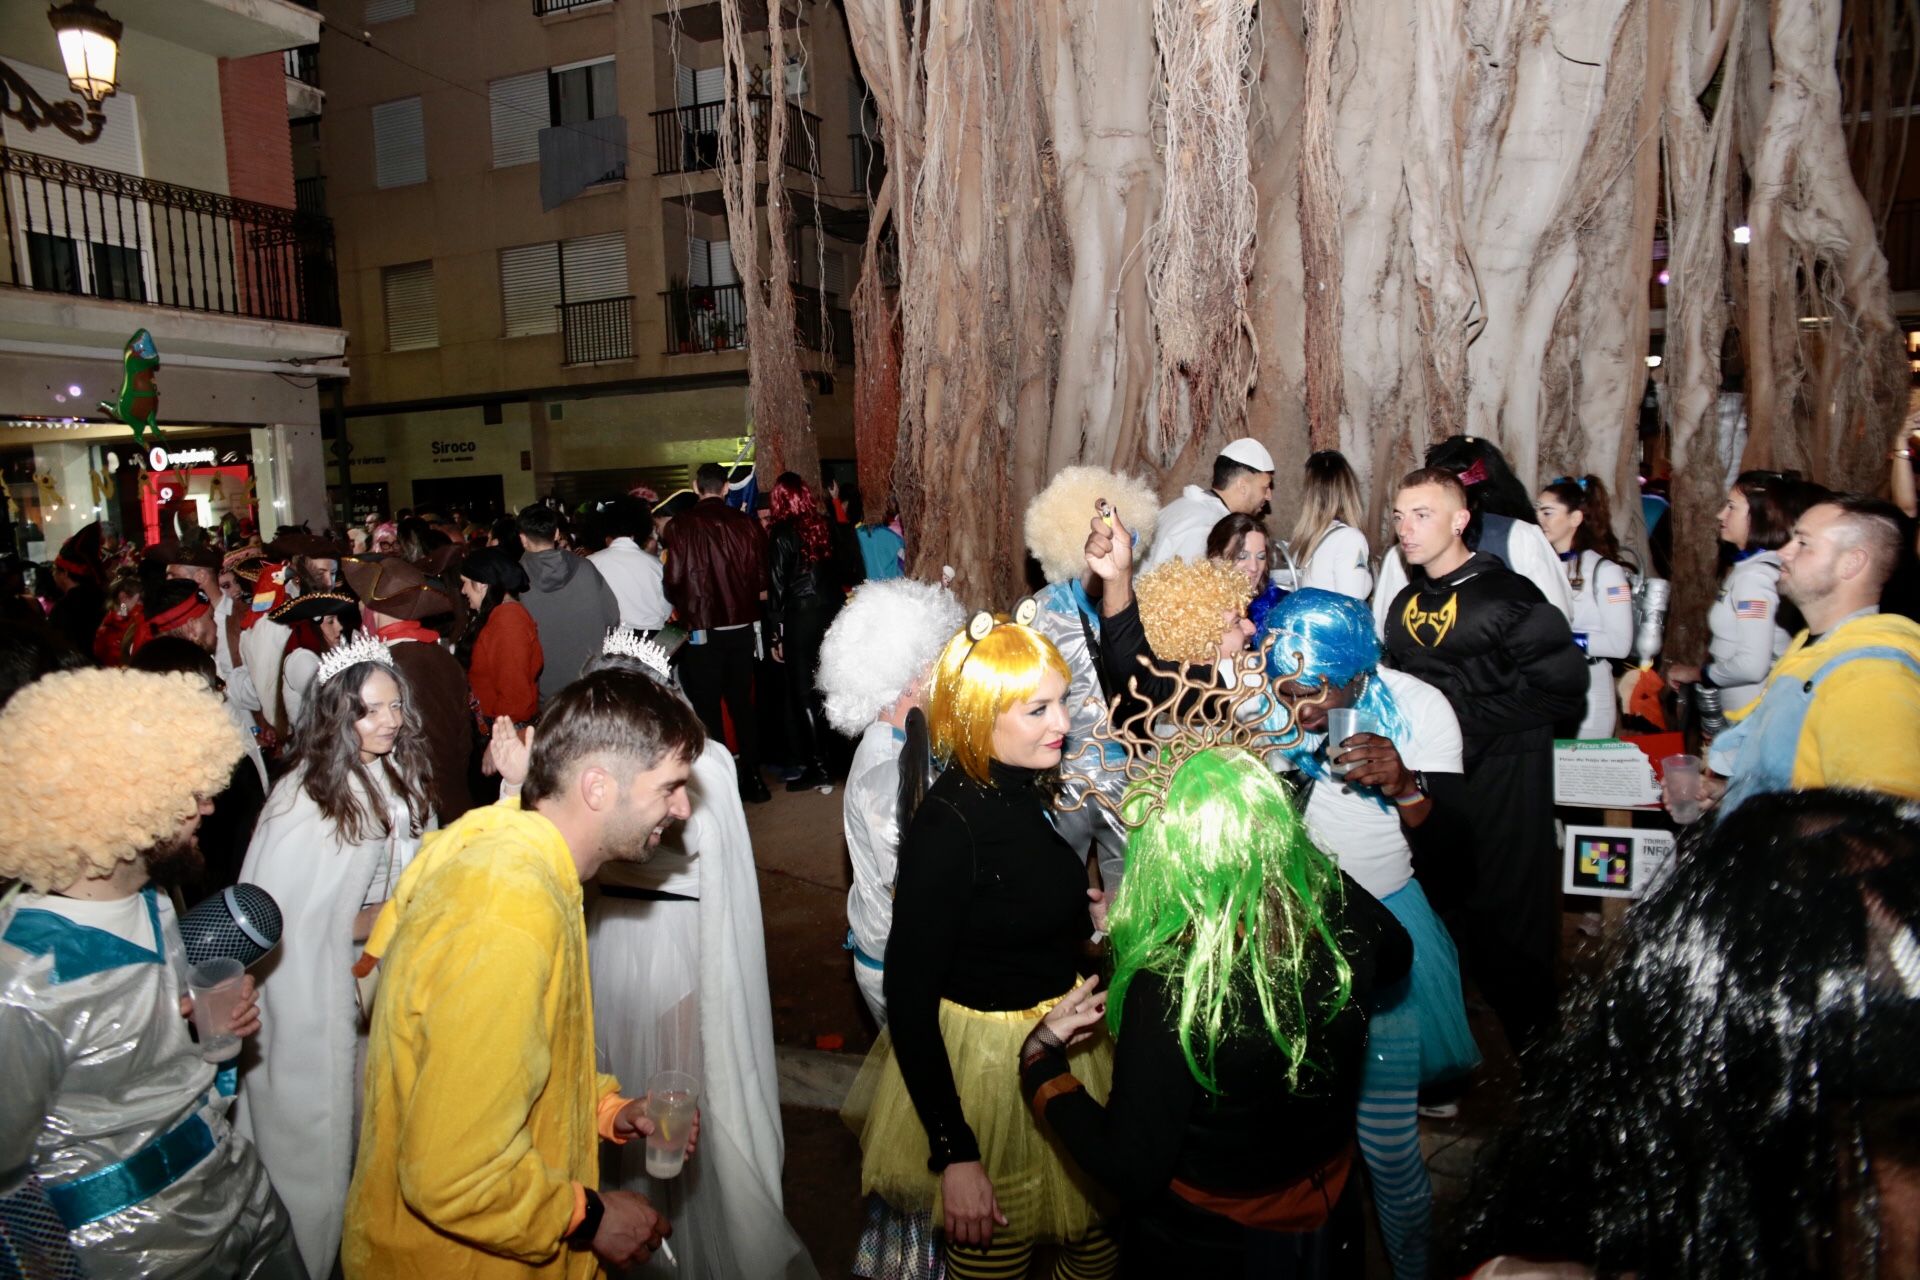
column 1249, row 452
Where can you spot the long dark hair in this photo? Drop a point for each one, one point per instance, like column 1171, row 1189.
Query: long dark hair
column 1588, row 496
column 326, row 756
column 1229, row 534
column 1722, row 1094
column 306, row 633
column 793, row 500
column 1492, row 488
column 496, row 569
column 1775, row 499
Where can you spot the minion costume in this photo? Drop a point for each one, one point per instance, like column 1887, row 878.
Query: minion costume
column 119, row 1160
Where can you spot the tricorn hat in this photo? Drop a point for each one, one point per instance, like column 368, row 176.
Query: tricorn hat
column 395, row 587
column 312, row 605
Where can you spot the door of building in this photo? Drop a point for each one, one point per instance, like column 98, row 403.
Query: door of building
column 482, row 499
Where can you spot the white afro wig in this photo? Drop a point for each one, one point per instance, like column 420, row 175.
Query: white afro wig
column 1058, row 516
column 886, row 638
column 98, row 766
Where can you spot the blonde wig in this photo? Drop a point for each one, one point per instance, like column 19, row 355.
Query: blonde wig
column 881, row 644
column 1182, row 604
column 98, row 766
column 976, row 680
column 1058, row 516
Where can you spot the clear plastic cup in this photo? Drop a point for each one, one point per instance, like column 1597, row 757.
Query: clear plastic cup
column 217, row 987
column 1683, row 788
column 671, row 1099
column 1344, row 723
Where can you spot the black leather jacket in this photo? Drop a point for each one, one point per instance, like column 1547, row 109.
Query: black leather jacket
column 793, row 581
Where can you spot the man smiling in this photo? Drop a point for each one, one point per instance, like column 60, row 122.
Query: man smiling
column 479, row 1149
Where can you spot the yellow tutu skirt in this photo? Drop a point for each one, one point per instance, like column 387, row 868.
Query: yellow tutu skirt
column 1042, row 1194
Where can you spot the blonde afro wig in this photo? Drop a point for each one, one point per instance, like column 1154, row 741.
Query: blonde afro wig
column 1182, row 604
column 886, row 638
column 1058, row 516
column 98, row 766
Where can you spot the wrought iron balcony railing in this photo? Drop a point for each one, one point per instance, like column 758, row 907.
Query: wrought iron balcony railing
column 73, row 228
column 602, row 329
column 543, row 7
column 687, row 139
column 713, row 317
column 310, row 194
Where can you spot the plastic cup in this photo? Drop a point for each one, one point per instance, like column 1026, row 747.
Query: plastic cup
column 217, row 987
column 1684, row 788
column 671, row 1100
column 1344, row 723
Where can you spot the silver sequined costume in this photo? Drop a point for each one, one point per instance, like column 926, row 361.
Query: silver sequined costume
column 1066, row 617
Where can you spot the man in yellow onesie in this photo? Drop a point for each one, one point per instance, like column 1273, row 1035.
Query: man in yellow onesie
column 1841, row 708
column 483, row 1112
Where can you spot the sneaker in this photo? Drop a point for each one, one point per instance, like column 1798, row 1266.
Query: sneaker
column 813, row 779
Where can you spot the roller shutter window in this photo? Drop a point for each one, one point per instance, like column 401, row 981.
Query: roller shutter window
column 413, row 315
column 594, row 267
column 388, row 10
column 530, row 289
column 399, row 144
column 518, row 105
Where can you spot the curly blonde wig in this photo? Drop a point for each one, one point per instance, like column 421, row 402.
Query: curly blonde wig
column 975, row 681
column 98, row 766
column 885, row 639
column 1057, row 517
column 1182, row 604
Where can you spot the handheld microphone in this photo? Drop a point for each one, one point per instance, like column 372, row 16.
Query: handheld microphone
column 241, row 923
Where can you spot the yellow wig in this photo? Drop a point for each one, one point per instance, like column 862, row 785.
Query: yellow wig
column 97, row 767
column 975, row 681
column 1182, row 604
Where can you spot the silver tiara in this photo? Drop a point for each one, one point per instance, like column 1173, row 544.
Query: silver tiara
column 625, row 642
column 364, row 647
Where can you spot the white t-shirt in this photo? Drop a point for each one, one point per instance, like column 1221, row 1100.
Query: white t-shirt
column 1339, row 563
column 1350, row 827
column 637, row 579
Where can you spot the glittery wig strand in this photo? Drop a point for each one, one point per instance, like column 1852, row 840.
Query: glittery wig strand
column 975, row 681
column 1225, row 880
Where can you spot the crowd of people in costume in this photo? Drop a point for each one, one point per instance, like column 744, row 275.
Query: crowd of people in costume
column 1170, row 882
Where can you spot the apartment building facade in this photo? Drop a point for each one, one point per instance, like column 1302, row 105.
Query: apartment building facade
column 534, row 253
column 178, row 217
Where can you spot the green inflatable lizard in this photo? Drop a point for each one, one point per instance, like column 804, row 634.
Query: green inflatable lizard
column 139, row 402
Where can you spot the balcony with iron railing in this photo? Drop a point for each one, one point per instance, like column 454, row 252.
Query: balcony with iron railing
column 310, row 194
column 75, row 229
column 597, row 331
column 707, row 318
column 541, row 8
column 687, row 139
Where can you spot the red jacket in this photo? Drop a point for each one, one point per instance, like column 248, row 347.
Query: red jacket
column 505, row 674
column 716, row 566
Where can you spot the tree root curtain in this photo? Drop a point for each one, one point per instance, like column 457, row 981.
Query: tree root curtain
column 1128, row 232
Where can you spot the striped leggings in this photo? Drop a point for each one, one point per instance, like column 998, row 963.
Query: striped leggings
column 1094, row 1256
column 1390, row 1138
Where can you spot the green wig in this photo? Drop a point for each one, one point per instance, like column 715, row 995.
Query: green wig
column 1224, row 879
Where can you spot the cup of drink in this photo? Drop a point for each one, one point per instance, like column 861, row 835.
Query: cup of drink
column 671, row 1096
column 217, row 987
column 1344, row 723
column 1684, row 788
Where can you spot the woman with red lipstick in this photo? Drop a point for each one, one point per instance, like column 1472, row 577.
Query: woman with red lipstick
column 990, row 914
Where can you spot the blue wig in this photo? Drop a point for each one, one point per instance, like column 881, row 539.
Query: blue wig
column 1330, row 637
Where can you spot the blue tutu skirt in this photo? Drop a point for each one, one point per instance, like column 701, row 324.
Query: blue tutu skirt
column 1430, row 995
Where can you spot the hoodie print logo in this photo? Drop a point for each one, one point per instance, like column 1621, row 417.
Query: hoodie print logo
column 1441, row 620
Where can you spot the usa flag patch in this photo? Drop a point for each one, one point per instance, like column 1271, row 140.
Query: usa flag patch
column 1754, row 610
column 1619, row 595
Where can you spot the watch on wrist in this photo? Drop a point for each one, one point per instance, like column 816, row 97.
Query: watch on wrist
column 581, row 1237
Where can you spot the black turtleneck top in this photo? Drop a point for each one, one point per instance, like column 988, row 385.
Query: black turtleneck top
column 989, row 911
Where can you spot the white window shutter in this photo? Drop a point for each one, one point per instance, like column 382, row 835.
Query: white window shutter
column 530, row 289
column 118, row 146
column 722, row 255
column 413, row 313
column 519, row 108
column 388, row 10
column 796, row 73
column 594, row 266
column 685, row 94
column 399, row 144
column 698, row 261
column 710, row 85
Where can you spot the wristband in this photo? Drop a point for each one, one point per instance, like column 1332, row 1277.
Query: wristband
column 581, row 1237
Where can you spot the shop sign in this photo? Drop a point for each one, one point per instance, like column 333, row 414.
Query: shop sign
column 455, row 450
column 159, row 459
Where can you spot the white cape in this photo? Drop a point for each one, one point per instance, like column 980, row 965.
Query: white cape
column 298, row 1096
column 653, row 962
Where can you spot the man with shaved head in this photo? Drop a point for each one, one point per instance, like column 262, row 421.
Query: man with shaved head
column 1505, row 659
column 1842, row 707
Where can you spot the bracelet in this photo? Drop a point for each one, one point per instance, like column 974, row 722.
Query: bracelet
column 1409, row 800
column 1901, row 453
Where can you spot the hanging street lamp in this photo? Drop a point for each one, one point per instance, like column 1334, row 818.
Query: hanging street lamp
column 90, row 48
